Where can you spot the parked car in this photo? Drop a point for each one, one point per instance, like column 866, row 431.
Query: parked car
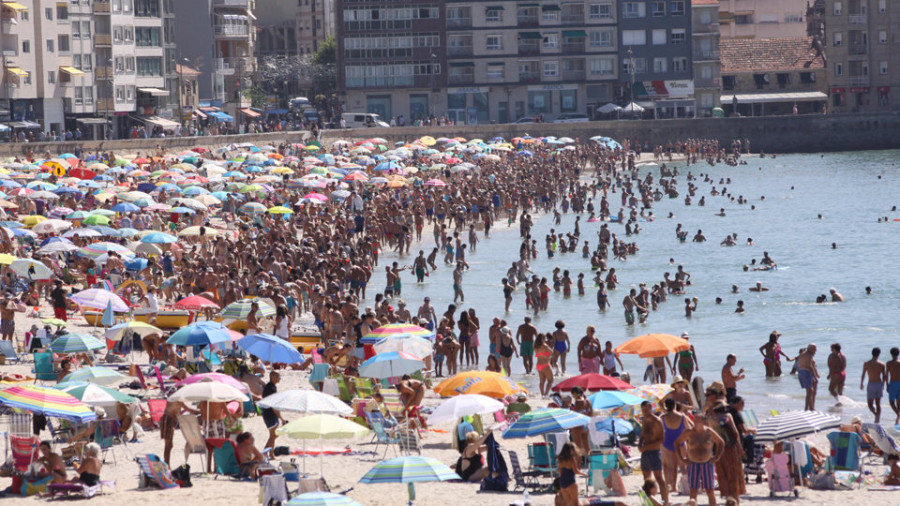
column 572, row 117
column 363, row 119
column 526, row 119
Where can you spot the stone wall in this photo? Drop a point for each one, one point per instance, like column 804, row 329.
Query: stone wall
column 772, row 134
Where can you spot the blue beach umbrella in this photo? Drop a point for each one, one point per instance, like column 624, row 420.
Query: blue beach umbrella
column 159, row 238
column 610, row 399
column 545, row 421
column 322, row 499
column 76, row 343
column 410, row 470
column 270, row 348
column 125, row 207
column 390, row 365
column 200, row 334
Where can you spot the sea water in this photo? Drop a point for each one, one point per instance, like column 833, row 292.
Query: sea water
column 850, row 190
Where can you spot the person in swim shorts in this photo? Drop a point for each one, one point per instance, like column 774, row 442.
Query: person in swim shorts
column 877, row 373
column 703, row 447
column 893, row 377
column 650, row 445
column 808, row 375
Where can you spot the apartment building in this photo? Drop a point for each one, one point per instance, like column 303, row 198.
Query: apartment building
column 655, row 50
column 862, row 40
column 762, row 19
column 218, row 38
column 707, row 65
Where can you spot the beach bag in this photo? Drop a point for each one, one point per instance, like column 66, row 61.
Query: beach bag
column 281, row 450
column 822, row 481
column 182, row 475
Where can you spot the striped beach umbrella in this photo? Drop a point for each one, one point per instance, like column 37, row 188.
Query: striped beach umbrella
column 252, row 208
column 76, row 343
column 390, row 364
column 46, row 401
column 239, row 310
column 117, row 332
column 396, row 330
column 322, row 499
column 96, row 375
column 416, row 346
column 410, row 470
column 93, row 394
column 98, row 298
column 102, row 248
column 544, row 421
column 653, row 393
column 195, row 303
column 794, row 424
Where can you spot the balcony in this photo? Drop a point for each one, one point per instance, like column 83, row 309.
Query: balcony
column 707, row 29
column 226, row 31
column 527, row 20
column 461, row 78
column 857, row 49
column 529, row 77
column 710, row 55
column 459, row 51
column 243, row 4
column 709, row 82
column 102, row 40
column 573, row 48
column 103, row 72
column 857, row 19
column 459, row 22
column 573, row 75
column 573, row 19
column 858, row 80
column 101, row 7
column 10, row 52
column 529, row 49
column 105, row 105
column 231, row 66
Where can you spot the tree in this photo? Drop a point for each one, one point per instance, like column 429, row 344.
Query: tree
column 256, row 95
column 327, row 53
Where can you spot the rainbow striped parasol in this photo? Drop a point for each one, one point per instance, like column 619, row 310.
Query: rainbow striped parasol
column 47, row 401
column 396, row 330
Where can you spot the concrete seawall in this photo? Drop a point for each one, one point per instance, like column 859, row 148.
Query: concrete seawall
column 773, row 134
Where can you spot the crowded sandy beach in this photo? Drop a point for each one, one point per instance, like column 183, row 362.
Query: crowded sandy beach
column 434, row 321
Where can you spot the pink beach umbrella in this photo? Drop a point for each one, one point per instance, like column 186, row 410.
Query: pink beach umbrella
column 214, row 376
column 316, row 196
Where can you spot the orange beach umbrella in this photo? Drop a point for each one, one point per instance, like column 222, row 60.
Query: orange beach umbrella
column 653, row 345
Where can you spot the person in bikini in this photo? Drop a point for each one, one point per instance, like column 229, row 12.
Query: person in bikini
column 771, row 352
column 589, row 353
column 685, row 361
column 545, row 373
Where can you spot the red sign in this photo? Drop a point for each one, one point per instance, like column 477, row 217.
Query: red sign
column 838, row 90
column 864, row 89
column 884, row 89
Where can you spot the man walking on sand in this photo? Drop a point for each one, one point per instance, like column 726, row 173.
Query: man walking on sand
column 893, row 377
column 649, row 445
column 808, row 375
column 877, row 373
column 703, row 447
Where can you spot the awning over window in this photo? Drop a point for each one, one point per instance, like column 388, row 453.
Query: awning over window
column 156, row 92
column 16, row 71
column 550, row 8
column 462, row 64
column 250, row 113
column 24, row 124
column 165, row 124
column 72, row 71
column 572, row 34
column 530, row 35
column 91, row 121
column 4, row 128
column 200, row 114
column 15, row 6
column 221, row 116
column 494, row 8
column 762, row 98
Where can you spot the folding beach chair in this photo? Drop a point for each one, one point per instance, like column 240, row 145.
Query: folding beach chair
column 21, row 424
column 779, row 475
column 154, row 472
column 106, row 433
column 882, row 440
column 194, row 443
column 9, row 351
column 162, row 383
column 364, row 387
column 67, row 490
column 157, row 409
column 382, row 437
column 225, row 455
column 408, row 439
column 44, row 368
column 24, row 452
column 524, row 479
column 844, row 451
column 600, row 465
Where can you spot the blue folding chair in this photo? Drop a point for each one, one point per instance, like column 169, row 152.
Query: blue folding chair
column 44, row 369
column 9, row 351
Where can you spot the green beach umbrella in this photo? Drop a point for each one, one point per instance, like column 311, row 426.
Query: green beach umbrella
column 76, row 343
column 93, row 394
column 409, row 470
column 96, row 219
column 96, row 375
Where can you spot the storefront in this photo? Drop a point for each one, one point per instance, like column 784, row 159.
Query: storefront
column 670, row 99
column 775, row 104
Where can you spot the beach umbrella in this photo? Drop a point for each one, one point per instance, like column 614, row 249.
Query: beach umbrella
column 58, row 247
column 146, row 248
column 7, row 259
column 80, row 232
column 609, row 399
column 592, row 382
column 117, row 332
column 491, row 384
column 97, row 375
column 653, row 345
column 102, row 248
column 55, row 322
column 794, row 424
column 544, row 421
column 159, row 238
column 305, row 401
column 418, row 347
column 322, row 499
column 195, row 303
column 52, row 226
column 93, row 394
column 30, row 268
column 98, row 298
column 195, row 231
column 279, row 210
column 214, row 376
column 125, row 207
column 200, row 334
column 464, row 405
column 653, row 393
column 76, row 343
column 390, row 365
column 321, row 426
column 96, row 219
column 435, row 182
column 46, row 401
column 239, row 310
column 395, row 330
column 208, row 390
column 411, row 469
column 614, row 426
column 270, row 348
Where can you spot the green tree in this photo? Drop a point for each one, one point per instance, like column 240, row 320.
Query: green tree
column 256, row 95
column 327, row 53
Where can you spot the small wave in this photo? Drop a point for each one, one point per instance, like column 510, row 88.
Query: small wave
column 778, row 396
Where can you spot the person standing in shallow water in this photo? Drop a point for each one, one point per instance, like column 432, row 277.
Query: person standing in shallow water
column 837, row 372
column 876, row 371
column 771, row 352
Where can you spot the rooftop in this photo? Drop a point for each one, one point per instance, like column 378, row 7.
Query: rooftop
column 185, row 70
column 779, row 54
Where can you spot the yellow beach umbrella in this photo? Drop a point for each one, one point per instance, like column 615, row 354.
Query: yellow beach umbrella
column 6, row 259
column 279, row 210
column 30, row 221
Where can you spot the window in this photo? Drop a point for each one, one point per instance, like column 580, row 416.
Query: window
column 62, row 12
column 76, row 61
column 551, row 68
column 838, row 69
column 86, row 28
column 88, row 95
column 600, row 11
column 148, row 66
column 706, row 100
column 838, row 9
column 86, row 62
column 147, row 36
column 676, row 8
column 882, row 37
column 882, row 6
column 601, row 66
column 51, row 77
column 126, row 5
column 728, row 82
column 767, row 17
column 679, row 64
column 550, row 16
column 494, row 42
column 79, row 95
column 493, row 15
column 634, row 10
column 883, row 67
column 120, row 64
column 793, row 18
column 23, row 16
column 640, row 65
column 120, row 93
column 50, row 44
column 63, row 43
column 149, row 8
column 838, row 38
column 634, row 37
column 551, row 41
column 129, row 34
column 601, row 38
column 496, row 71
column 129, row 93
column 26, row 46
column 48, row 13
column 807, row 77
column 76, row 30
column 117, row 34
column 659, row 37
column 659, row 65
column 27, row 79
column 129, row 64
column 705, row 17
column 658, row 8
column 678, row 35
column 784, row 79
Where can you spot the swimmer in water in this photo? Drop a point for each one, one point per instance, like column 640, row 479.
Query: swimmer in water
column 735, row 289
column 721, row 212
column 740, row 307
column 750, row 241
column 835, row 296
column 759, row 287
